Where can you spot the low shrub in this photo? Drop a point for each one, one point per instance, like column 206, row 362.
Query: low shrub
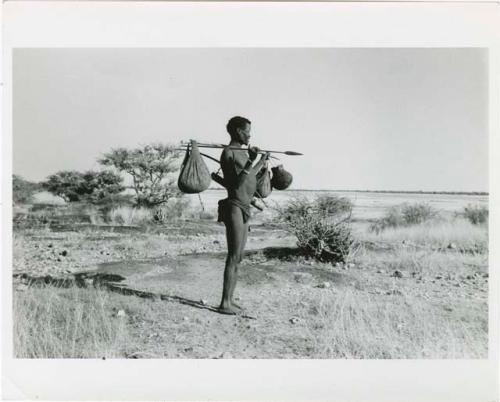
column 333, row 205
column 322, row 240
column 476, row 214
column 414, row 214
column 404, row 215
column 324, row 205
column 298, row 207
column 322, row 226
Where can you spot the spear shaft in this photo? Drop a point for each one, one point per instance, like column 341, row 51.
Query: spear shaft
column 262, row 151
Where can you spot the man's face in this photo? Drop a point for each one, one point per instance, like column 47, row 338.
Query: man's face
column 243, row 134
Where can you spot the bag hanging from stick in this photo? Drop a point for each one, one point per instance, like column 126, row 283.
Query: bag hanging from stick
column 281, row 178
column 194, row 176
column 264, row 187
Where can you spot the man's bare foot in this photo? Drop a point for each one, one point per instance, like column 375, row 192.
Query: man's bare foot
column 230, row 310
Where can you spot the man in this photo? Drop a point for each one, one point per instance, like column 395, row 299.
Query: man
column 241, row 182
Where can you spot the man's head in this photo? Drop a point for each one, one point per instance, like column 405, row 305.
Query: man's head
column 239, row 129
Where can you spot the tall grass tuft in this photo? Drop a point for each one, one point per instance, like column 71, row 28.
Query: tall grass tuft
column 66, row 323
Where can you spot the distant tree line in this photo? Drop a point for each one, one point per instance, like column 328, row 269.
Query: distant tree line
column 149, row 166
column 403, row 192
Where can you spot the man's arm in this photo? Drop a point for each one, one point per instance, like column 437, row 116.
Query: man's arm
column 237, row 168
column 261, row 164
column 233, row 168
column 248, row 169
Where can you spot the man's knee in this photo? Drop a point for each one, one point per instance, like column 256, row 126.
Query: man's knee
column 234, row 257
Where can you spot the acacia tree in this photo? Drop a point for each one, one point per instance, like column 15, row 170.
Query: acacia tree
column 150, row 167
column 90, row 186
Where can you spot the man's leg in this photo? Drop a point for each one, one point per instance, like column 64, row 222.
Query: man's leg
column 243, row 241
column 241, row 253
column 235, row 228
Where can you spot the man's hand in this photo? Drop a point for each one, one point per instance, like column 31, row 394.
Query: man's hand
column 253, row 152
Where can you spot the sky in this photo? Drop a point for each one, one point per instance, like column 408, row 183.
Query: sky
column 365, row 119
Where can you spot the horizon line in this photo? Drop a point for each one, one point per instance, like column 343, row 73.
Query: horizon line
column 385, row 191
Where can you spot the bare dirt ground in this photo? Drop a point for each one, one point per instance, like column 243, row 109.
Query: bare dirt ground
column 385, row 303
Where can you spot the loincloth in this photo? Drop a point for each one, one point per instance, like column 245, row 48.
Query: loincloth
column 223, row 204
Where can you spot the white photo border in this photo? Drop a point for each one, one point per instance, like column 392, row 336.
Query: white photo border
column 246, row 24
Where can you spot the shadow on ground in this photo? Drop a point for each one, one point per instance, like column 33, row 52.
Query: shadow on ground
column 192, row 279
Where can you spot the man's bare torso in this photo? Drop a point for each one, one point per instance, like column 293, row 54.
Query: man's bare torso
column 232, row 163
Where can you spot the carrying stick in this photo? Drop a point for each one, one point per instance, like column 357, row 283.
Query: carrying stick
column 262, row 151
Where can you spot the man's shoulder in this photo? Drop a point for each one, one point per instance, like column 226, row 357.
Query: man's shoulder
column 232, row 157
column 227, row 153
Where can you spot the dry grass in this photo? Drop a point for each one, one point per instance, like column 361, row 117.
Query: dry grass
column 357, row 325
column 440, row 234
column 354, row 323
column 421, row 262
column 366, row 314
column 66, row 323
column 175, row 209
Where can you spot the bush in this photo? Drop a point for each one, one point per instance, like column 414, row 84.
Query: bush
column 23, row 190
column 476, row 214
column 414, row 214
column 324, row 205
column 322, row 227
column 322, row 240
column 100, row 186
column 65, row 184
column 405, row 215
column 333, row 205
column 299, row 207
column 73, row 186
